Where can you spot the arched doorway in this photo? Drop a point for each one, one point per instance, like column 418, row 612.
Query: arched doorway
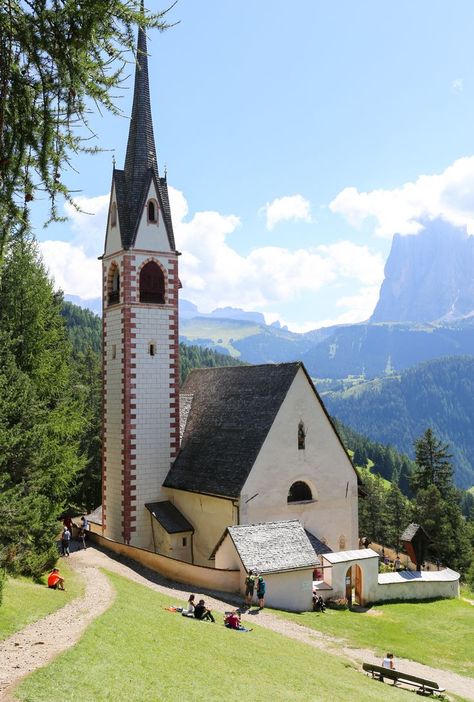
column 354, row 585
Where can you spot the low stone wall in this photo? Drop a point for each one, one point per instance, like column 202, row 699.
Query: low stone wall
column 416, row 590
column 200, row 576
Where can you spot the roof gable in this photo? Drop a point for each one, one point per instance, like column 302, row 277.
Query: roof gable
column 232, row 411
column 273, row 547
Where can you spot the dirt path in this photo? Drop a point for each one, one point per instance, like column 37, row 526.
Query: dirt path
column 37, row 644
column 74, row 621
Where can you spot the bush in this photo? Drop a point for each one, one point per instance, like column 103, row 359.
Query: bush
column 337, row 603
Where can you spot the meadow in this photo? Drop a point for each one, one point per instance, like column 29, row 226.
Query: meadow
column 25, row 601
column 439, row 633
column 140, row 651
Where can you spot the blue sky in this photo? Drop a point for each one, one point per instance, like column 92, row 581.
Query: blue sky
column 298, row 138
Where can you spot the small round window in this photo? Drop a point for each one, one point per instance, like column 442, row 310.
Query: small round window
column 299, row 492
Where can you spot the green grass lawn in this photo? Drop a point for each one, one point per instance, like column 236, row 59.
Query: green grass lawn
column 25, row 601
column 438, row 633
column 138, row 651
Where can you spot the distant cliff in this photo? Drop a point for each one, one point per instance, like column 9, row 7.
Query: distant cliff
column 429, row 276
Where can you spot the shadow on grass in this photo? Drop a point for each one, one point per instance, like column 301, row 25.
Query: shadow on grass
column 233, row 600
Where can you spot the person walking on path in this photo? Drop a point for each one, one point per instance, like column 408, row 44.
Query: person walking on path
column 261, row 587
column 249, row 588
column 55, row 580
column 83, row 529
column 65, row 541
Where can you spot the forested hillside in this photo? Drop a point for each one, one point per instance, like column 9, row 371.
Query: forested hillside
column 84, row 327
column 437, row 394
column 383, row 460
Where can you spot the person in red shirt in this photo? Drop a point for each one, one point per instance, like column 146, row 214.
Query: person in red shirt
column 55, row 580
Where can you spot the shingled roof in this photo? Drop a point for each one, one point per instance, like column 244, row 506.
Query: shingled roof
column 141, row 166
column 232, row 411
column 169, row 516
column 273, row 547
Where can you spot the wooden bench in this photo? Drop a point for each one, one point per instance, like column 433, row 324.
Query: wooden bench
column 378, row 672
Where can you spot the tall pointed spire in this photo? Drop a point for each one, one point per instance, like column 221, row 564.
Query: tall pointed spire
column 141, row 152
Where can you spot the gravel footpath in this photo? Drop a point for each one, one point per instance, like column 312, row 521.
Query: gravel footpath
column 61, row 630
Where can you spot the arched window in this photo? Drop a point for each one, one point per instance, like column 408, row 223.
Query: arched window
column 114, row 288
column 152, row 284
column 301, row 436
column 113, row 215
column 152, row 211
column 299, row 492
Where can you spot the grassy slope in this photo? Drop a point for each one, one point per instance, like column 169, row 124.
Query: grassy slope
column 407, row 630
column 25, row 602
column 138, row 651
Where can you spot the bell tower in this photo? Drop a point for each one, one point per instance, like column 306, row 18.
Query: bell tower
column 140, row 331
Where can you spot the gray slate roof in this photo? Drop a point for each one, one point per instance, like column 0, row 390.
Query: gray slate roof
column 169, row 516
column 273, row 547
column 411, row 531
column 141, row 165
column 231, row 414
column 185, row 402
column 319, row 546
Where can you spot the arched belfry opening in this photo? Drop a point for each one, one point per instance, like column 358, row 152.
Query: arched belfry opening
column 114, row 286
column 152, row 284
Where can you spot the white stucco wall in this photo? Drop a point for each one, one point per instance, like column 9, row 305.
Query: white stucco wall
column 152, row 235
column 323, row 464
column 209, row 516
column 171, row 545
column 291, row 590
column 336, row 576
column 385, row 587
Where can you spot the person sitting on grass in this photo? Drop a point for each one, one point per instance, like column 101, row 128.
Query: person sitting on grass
column 189, row 611
column 201, row 612
column 55, row 580
column 232, row 621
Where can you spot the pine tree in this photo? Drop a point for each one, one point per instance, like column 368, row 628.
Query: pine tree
column 398, row 515
column 41, row 411
column 372, row 509
column 433, row 464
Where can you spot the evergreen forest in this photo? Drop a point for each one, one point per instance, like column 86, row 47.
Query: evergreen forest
column 396, row 410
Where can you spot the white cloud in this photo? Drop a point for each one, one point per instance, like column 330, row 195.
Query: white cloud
column 290, row 207
column 448, row 195
column 89, row 222
column 73, row 264
column 213, row 274
column 73, row 270
column 457, row 86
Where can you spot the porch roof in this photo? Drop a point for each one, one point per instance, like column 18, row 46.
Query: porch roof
column 345, row 556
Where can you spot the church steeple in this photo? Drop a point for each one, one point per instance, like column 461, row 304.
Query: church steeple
column 141, row 151
column 132, row 184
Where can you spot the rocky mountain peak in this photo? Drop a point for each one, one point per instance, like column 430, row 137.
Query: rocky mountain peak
column 428, row 276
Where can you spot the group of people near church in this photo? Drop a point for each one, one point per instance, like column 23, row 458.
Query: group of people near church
column 252, row 581
column 199, row 611
column 66, row 534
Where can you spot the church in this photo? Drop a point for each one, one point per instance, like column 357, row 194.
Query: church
column 237, row 445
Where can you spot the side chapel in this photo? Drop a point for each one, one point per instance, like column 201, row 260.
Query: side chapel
column 238, row 445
